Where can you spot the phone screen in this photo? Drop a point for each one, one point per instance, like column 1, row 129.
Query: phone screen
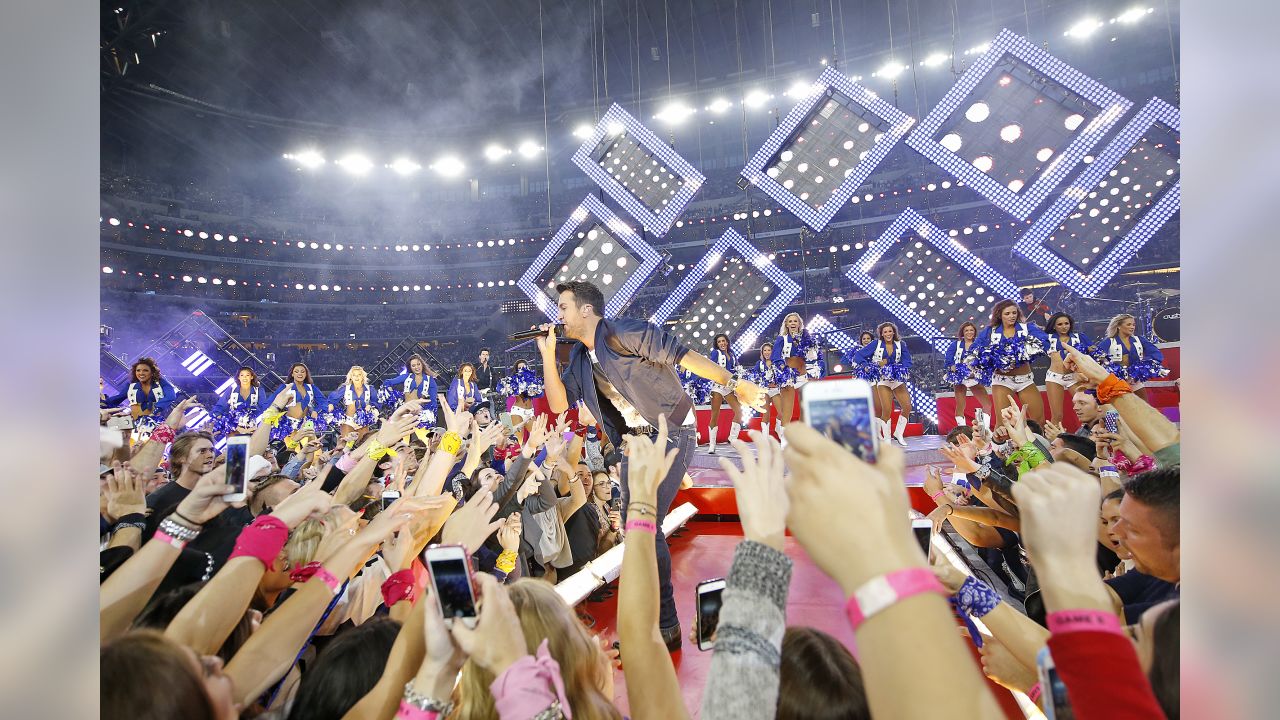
column 237, row 460
column 709, row 602
column 1057, row 706
column 388, row 498
column 453, row 587
column 847, row 421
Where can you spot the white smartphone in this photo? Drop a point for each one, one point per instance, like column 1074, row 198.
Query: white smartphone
column 388, row 497
column 1054, row 701
column 237, row 451
column 979, row 417
column 709, row 594
column 450, row 568
column 842, row 410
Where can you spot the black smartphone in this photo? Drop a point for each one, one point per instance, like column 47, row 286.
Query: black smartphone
column 709, row 594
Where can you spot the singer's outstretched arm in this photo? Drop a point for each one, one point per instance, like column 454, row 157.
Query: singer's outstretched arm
column 552, row 385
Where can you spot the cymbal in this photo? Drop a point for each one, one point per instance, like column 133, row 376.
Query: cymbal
column 1162, row 292
column 1138, row 284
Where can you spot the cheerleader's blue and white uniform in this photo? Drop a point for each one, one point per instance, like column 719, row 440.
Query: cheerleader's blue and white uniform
column 729, row 362
column 1136, row 364
column 802, row 346
column 1076, row 340
column 994, row 353
column 474, row 395
column 236, row 411
column 160, row 400
column 426, row 389
column 366, row 413
column 764, row 373
column 524, row 383
column 304, row 395
column 959, row 369
column 897, row 368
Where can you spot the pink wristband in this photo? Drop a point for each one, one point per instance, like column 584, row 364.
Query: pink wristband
column 262, row 539
column 1034, row 694
column 166, row 537
column 935, row 495
column 881, row 592
column 1069, row 621
column 409, row 712
column 642, row 526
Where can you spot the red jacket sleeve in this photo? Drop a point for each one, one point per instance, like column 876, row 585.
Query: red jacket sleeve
column 1103, row 677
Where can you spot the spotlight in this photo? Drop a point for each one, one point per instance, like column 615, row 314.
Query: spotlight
column 582, row 131
column 494, row 153
column 404, row 166
column 1133, row 14
column 113, row 221
column 674, row 113
column 755, row 99
column 1084, row 28
column 935, row 59
column 1010, row 133
column 529, row 149
column 978, row 49
column 719, row 105
column 801, row 89
column 355, row 163
column 449, row 166
column 890, row 70
column 107, row 270
column 309, row 159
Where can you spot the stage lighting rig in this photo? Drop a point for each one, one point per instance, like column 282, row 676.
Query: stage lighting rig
column 740, row 296
column 1114, row 207
column 592, row 245
column 640, row 172
column 928, row 280
column 1016, row 123
column 826, row 147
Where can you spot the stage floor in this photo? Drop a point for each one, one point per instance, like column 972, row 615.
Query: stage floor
column 712, row 492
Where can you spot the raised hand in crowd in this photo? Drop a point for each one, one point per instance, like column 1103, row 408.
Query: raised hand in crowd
column 473, row 523
column 761, row 492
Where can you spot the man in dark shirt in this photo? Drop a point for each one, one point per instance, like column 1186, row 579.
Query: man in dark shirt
column 624, row 372
column 1035, row 311
column 484, row 378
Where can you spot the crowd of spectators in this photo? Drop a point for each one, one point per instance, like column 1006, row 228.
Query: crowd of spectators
column 307, row 599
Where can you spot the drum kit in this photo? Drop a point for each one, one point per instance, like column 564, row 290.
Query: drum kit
column 1159, row 312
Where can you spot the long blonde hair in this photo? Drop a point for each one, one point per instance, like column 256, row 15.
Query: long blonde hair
column 353, row 372
column 545, row 615
column 787, row 317
column 1113, row 327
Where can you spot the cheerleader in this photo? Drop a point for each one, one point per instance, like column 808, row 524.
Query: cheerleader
column 1061, row 329
column 795, row 355
column 354, row 402
column 765, row 374
column 149, row 395
column 417, row 382
column 522, row 386
column 722, row 355
column 1004, row 351
column 1128, row 356
column 959, row 373
column 306, row 405
column 237, row 412
column 465, row 386
column 890, row 355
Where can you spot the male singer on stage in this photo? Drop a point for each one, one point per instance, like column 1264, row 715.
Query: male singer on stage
column 624, row 371
column 485, row 379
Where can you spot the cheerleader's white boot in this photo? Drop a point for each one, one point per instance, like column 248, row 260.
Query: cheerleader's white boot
column 734, row 431
column 960, row 422
column 882, row 428
column 782, row 436
column 711, row 440
column 899, row 430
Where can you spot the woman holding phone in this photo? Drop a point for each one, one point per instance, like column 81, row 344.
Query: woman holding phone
column 464, row 386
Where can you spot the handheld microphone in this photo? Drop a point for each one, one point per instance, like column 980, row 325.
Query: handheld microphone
column 536, row 333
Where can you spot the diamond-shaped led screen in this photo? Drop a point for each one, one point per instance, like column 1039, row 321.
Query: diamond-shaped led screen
column 1114, row 207
column 1016, row 123
column 826, row 147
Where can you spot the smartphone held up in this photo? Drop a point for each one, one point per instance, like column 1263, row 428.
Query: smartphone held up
column 842, row 410
column 450, row 568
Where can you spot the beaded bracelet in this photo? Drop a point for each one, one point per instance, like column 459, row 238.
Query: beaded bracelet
column 422, row 701
column 176, row 530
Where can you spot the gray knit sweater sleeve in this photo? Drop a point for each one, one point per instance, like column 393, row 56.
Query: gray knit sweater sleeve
column 743, row 681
